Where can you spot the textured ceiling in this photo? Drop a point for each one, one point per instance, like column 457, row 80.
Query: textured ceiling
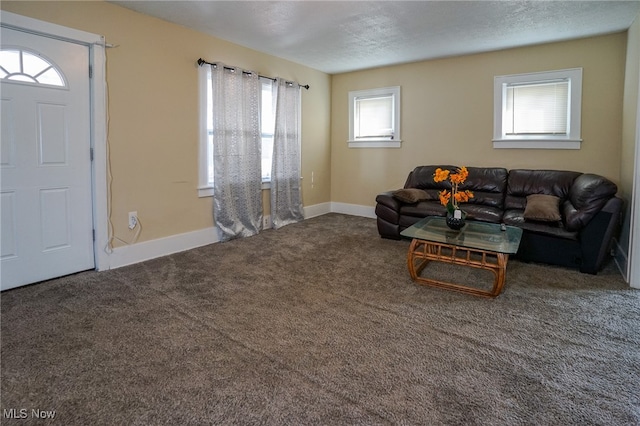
column 341, row 36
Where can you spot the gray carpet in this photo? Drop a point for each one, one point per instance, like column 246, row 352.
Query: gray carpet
column 319, row 323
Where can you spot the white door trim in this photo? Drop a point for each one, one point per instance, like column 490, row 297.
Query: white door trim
column 633, row 258
column 98, row 103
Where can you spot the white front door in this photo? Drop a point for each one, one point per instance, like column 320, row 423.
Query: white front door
column 45, row 201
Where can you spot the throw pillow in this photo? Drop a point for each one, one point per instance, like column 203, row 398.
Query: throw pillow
column 410, row 195
column 542, row 207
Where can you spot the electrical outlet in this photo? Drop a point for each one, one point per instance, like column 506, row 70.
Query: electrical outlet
column 133, row 219
column 266, row 222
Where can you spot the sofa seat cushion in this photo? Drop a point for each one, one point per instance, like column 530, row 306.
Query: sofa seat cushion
column 482, row 213
column 515, row 217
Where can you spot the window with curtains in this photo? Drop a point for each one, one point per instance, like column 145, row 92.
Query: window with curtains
column 538, row 110
column 374, row 118
column 267, row 122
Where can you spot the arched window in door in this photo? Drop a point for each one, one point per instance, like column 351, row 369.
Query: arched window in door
column 21, row 65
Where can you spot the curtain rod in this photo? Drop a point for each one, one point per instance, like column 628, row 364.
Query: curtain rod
column 201, row 62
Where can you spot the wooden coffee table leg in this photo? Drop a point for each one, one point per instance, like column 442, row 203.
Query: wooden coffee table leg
column 422, row 252
column 501, row 272
column 415, row 270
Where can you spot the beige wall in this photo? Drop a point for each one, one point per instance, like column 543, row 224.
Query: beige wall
column 152, row 80
column 447, row 116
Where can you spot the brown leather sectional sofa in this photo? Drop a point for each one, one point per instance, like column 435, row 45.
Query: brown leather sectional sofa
column 579, row 235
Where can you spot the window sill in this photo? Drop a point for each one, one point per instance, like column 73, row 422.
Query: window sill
column 537, row 143
column 207, row 191
column 376, row 144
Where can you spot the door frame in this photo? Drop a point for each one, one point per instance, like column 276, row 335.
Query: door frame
column 633, row 269
column 98, row 117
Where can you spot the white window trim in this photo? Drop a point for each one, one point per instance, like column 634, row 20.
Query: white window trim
column 396, row 142
column 570, row 141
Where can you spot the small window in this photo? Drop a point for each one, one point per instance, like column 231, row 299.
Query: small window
column 539, row 110
column 20, row 65
column 374, row 118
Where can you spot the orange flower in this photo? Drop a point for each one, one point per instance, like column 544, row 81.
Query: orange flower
column 440, row 175
column 461, row 176
column 444, row 196
column 456, row 178
column 451, row 199
column 464, row 172
column 463, row 196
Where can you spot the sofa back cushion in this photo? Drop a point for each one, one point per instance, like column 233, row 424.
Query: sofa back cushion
column 523, row 182
column 487, row 184
column 422, row 177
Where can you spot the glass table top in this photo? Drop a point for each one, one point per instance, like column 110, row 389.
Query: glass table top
column 478, row 235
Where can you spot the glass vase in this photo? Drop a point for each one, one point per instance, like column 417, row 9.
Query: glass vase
column 456, row 219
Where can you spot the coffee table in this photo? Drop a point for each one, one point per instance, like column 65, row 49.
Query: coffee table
column 478, row 245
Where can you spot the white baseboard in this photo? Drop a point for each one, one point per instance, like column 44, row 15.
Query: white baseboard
column 147, row 250
column 354, row 210
column 317, row 210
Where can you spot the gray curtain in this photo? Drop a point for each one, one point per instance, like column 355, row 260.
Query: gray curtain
column 237, row 197
column 286, row 198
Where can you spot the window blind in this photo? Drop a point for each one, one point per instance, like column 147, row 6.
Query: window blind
column 537, row 109
column 374, row 117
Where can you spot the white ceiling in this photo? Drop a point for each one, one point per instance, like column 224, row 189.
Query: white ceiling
column 341, row 36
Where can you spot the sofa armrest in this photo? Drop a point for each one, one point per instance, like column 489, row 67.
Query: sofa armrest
column 388, row 200
column 388, row 215
column 587, row 196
